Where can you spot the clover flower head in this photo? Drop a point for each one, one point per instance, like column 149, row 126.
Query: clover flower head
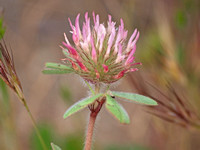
column 100, row 53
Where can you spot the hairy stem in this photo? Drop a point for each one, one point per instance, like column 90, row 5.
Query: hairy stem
column 90, row 130
column 95, row 109
column 34, row 125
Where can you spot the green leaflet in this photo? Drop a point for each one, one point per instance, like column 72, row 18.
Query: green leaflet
column 132, row 97
column 55, row 68
column 80, row 105
column 55, row 147
column 56, row 71
column 117, row 110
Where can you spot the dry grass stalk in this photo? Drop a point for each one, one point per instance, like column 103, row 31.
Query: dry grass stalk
column 172, row 107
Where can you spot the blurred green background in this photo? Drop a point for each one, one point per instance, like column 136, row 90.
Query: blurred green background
column 168, row 47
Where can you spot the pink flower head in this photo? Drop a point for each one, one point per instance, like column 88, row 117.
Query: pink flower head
column 100, row 53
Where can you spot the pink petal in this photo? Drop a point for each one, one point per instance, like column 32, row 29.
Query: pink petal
column 97, row 20
column 84, row 46
column 101, row 42
column 105, row 68
column 125, row 35
column 120, row 75
column 94, row 17
column 134, row 42
column 122, row 24
column 87, row 20
column 71, row 50
column 111, row 25
column 130, row 57
column 131, row 39
column 129, row 61
column 101, row 32
column 86, row 16
column 110, row 18
column 66, row 39
column 132, row 70
column 87, row 28
column 120, row 36
column 110, row 42
column 75, row 36
column 132, row 36
column 84, row 32
column 71, row 24
column 97, row 74
column 135, row 64
column 77, row 25
column 120, row 57
column 82, row 66
column 94, row 54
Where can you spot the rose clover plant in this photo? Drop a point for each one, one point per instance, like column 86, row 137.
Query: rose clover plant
column 101, row 55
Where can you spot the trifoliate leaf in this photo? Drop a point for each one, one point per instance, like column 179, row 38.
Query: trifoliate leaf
column 80, row 105
column 117, row 110
column 55, row 147
column 132, row 97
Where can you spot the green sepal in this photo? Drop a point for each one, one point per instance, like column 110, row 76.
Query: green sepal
column 67, row 55
column 80, row 105
column 132, row 97
column 55, row 147
column 117, row 110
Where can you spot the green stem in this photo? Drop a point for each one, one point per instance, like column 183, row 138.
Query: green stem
column 34, row 125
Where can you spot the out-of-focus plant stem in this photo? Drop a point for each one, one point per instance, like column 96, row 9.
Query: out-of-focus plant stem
column 7, row 129
column 34, row 124
column 95, row 109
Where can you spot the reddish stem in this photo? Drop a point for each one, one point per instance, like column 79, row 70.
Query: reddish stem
column 93, row 115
